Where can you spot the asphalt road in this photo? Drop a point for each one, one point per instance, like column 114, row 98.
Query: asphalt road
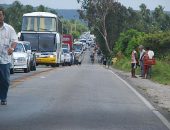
column 86, row 97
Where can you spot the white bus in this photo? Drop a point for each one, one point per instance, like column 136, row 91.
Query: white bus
column 43, row 30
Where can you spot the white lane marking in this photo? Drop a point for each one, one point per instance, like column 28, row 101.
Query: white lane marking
column 147, row 103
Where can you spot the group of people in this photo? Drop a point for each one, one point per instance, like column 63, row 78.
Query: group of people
column 145, row 61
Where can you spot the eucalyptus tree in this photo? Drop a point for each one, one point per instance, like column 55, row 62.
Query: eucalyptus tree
column 95, row 12
column 145, row 18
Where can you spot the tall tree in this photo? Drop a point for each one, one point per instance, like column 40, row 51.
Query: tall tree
column 28, row 9
column 95, row 12
column 42, row 8
column 161, row 19
column 14, row 15
column 145, row 18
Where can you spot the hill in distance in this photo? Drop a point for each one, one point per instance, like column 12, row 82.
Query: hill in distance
column 68, row 13
column 65, row 13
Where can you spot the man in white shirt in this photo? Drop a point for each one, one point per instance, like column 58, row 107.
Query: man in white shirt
column 150, row 54
column 8, row 40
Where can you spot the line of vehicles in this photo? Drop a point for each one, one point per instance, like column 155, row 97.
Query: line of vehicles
column 41, row 42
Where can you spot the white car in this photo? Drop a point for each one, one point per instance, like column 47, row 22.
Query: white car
column 21, row 57
column 66, row 57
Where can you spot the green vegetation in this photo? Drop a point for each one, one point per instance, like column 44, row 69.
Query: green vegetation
column 160, row 44
column 108, row 19
column 119, row 29
column 73, row 27
column 123, row 64
column 160, row 71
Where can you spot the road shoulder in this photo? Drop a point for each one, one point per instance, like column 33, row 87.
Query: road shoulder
column 157, row 94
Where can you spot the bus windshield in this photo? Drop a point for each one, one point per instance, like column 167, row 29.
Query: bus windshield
column 39, row 24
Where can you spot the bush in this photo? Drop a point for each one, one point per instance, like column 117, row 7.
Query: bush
column 161, row 73
column 158, row 42
column 127, row 41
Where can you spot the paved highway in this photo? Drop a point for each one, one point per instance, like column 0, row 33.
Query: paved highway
column 86, row 97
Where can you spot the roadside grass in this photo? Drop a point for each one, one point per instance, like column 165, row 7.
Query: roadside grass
column 160, row 71
column 123, row 64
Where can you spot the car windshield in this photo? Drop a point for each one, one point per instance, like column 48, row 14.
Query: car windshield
column 77, row 47
column 77, row 50
column 64, row 46
column 65, row 50
column 19, row 48
column 27, row 46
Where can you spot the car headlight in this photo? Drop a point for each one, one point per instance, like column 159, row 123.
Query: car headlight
column 68, row 56
column 21, row 59
column 51, row 56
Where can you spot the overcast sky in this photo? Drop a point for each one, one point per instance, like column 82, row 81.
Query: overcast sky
column 72, row 4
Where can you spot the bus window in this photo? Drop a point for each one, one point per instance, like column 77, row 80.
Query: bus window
column 29, row 24
column 41, row 24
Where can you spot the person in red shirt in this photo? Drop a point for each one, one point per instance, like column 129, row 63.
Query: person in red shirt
column 149, row 54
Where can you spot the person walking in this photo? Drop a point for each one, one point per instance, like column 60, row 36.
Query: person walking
column 141, row 60
column 8, row 38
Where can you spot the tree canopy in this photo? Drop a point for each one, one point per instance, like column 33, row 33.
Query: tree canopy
column 107, row 19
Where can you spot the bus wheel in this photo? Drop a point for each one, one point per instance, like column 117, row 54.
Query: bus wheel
column 57, row 65
column 53, row 65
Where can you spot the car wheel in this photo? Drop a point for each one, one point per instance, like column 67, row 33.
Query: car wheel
column 26, row 70
column 11, row 71
column 33, row 67
column 57, row 65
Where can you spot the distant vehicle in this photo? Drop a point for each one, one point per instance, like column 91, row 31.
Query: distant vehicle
column 78, row 52
column 66, row 57
column 67, row 46
column 68, row 39
column 31, row 54
column 43, row 30
column 21, row 57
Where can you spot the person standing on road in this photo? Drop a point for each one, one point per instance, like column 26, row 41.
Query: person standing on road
column 8, row 40
column 141, row 60
column 133, row 63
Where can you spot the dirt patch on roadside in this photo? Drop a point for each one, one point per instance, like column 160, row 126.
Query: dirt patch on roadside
column 157, row 94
